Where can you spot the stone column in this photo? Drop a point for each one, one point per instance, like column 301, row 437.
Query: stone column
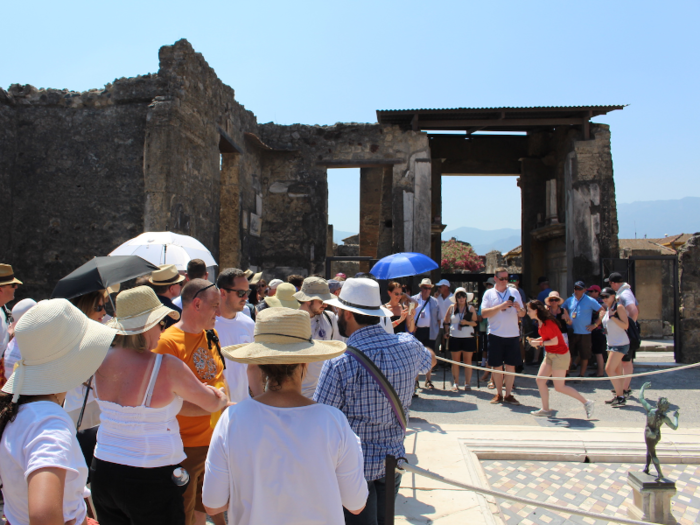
column 230, row 213
column 371, row 188
column 384, row 244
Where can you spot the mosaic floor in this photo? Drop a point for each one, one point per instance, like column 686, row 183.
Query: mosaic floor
column 596, row 487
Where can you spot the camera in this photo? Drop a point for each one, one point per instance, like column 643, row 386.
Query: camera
column 511, row 299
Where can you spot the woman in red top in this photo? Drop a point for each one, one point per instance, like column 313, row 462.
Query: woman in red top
column 556, row 361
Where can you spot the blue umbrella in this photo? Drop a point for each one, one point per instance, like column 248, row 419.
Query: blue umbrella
column 403, row 265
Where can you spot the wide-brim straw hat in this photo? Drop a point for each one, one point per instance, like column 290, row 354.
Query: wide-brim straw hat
column 360, row 296
column 553, row 296
column 253, row 278
column 167, row 275
column 61, row 348
column 283, row 337
column 470, row 296
column 313, row 288
column 7, row 275
column 139, row 310
column 284, row 298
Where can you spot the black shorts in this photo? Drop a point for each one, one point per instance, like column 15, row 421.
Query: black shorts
column 599, row 342
column 581, row 346
column 462, row 344
column 504, row 351
column 423, row 335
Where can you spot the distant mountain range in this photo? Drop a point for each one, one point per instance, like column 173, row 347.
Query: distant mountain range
column 658, row 218
column 651, row 218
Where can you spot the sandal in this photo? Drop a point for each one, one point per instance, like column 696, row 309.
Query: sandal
column 455, row 388
column 491, row 385
column 429, row 384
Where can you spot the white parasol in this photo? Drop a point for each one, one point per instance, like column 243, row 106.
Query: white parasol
column 166, row 248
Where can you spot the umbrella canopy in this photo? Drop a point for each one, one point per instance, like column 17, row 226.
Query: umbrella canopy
column 166, row 248
column 402, row 265
column 99, row 273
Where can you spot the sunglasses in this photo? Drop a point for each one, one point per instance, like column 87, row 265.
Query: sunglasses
column 202, row 290
column 239, row 293
column 13, row 285
column 604, row 296
column 502, row 278
column 163, row 325
column 426, row 287
column 99, row 307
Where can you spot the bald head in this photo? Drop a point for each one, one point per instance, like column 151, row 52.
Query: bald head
column 200, row 305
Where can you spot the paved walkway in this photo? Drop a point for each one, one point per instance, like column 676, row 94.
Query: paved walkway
column 600, row 488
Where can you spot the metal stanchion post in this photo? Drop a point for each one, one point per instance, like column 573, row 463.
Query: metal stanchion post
column 390, row 481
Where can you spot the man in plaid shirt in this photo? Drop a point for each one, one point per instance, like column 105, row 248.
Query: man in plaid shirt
column 346, row 385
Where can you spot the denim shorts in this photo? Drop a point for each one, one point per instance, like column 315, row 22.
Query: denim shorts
column 622, row 349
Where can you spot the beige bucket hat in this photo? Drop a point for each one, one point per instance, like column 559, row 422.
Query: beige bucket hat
column 167, row 274
column 7, row 275
column 61, row 348
column 360, row 296
column 253, row 278
column 553, row 296
column 470, row 296
column 314, row 288
column 139, row 310
column 283, row 337
column 284, row 297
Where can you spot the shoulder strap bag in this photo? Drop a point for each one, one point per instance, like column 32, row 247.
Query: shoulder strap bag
column 379, row 377
column 415, row 319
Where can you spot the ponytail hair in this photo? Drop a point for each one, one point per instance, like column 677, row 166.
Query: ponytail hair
column 543, row 314
column 9, row 410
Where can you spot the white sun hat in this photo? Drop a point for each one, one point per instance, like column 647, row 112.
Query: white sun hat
column 61, row 348
column 470, row 296
column 360, row 296
column 139, row 310
column 283, row 337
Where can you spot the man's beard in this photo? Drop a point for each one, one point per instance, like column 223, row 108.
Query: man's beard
column 342, row 325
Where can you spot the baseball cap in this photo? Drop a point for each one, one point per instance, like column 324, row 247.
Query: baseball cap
column 614, row 277
column 594, row 288
column 513, row 277
column 580, row 284
column 443, row 282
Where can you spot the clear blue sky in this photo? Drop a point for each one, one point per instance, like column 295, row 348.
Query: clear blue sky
column 325, row 62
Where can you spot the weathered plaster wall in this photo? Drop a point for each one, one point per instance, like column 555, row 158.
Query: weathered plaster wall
column 74, row 180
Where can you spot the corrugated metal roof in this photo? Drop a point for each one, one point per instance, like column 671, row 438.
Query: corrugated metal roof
column 501, row 108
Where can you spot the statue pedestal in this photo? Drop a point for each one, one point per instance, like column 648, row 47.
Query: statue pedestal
column 651, row 498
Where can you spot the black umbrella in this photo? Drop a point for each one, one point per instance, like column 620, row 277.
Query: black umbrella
column 100, row 273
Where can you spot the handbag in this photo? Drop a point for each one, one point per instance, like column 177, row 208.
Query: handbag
column 379, row 377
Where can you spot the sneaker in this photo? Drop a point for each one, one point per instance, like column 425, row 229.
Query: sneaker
column 541, row 413
column 588, row 405
column 628, row 393
column 496, row 399
column 611, row 401
column 455, row 388
column 619, row 402
column 467, row 388
column 511, row 400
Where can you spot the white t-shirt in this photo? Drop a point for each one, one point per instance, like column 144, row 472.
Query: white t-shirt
column 505, row 322
column 12, row 355
column 178, row 302
column 443, row 305
column 321, row 330
column 42, row 436
column 284, row 465
column 236, row 331
column 4, row 334
column 423, row 318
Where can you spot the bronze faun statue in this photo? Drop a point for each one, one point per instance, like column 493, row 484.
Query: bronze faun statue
column 656, row 417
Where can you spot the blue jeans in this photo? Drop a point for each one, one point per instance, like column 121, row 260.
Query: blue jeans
column 375, row 510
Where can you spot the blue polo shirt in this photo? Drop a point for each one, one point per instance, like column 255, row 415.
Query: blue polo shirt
column 581, row 312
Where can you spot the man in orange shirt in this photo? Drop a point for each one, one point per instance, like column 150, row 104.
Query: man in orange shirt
column 189, row 341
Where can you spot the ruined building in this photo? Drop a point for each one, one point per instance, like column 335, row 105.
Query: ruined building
column 83, row 172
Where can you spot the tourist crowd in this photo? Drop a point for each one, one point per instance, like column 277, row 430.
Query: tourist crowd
column 264, row 400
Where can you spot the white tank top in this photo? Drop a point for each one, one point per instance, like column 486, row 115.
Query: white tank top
column 140, row 436
column 616, row 335
column 466, row 331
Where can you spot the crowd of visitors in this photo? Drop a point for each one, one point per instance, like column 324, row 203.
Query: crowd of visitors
column 197, row 398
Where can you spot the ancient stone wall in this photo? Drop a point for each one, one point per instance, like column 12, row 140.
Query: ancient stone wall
column 72, row 172
column 689, row 256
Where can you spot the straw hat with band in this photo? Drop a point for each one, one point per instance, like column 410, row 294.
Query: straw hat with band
column 167, row 275
column 360, row 296
column 553, row 296
column 284, row 297
column 470, row 296
column 283, row 337
column 313, row 288
column 7, row 275
column 139, row 310
column 253, row 278
column 61, row 348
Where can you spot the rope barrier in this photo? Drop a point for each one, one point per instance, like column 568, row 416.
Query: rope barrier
column 569, row 378
column 525, row 501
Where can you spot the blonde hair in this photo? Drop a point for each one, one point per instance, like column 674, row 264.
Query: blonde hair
column 500, row 269
column 136, row 342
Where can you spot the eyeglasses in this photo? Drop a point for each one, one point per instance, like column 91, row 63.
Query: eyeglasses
column 202, row 290
column 239, row 293
column 99, row 307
